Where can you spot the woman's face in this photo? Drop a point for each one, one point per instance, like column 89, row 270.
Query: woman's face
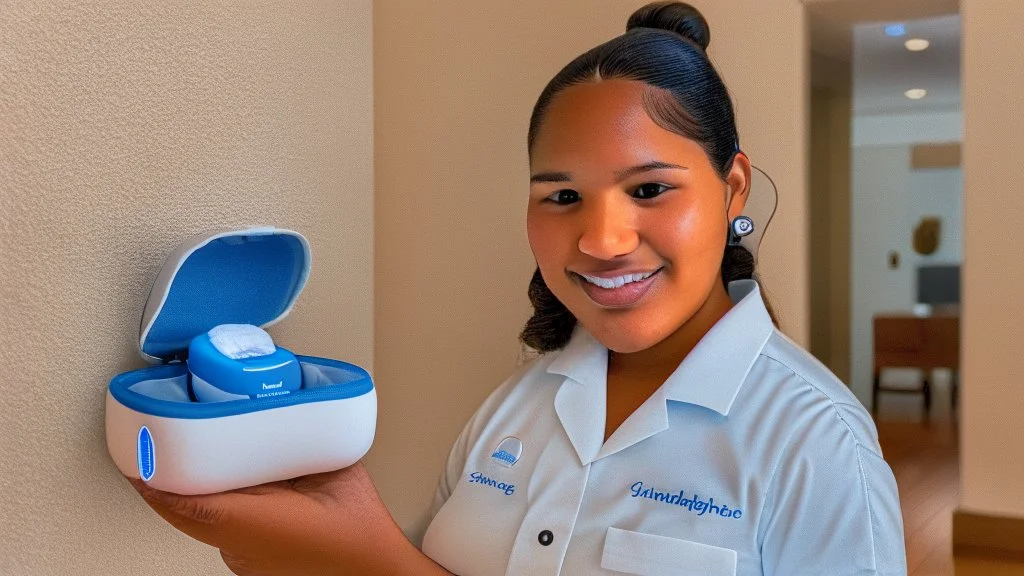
column 627, row 220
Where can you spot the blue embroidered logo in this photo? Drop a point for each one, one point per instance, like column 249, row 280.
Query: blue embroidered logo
column 693, row 503
column 508, row 452
column 478, row 478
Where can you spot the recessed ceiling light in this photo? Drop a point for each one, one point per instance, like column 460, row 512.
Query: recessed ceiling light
column 895, row 30
column 916, row 93
column 916, row 44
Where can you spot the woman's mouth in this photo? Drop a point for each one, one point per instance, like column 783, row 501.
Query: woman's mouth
column 617, row 291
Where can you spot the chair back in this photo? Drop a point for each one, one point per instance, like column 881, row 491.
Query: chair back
column 919, row 342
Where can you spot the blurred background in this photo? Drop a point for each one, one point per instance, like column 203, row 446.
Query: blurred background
column 392, row 134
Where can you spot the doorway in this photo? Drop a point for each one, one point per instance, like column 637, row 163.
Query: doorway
column 886, row 205
column 883, row 161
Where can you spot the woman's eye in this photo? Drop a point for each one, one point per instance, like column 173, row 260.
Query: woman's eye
column 650, row 190
column 563, row 197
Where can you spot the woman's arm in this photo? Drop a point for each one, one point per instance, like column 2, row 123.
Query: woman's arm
column 833, row 505
column 331, row 523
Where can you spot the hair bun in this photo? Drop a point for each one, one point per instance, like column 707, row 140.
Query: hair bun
column 677, row 17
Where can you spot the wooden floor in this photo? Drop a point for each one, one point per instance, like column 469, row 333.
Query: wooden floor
column 924, row 456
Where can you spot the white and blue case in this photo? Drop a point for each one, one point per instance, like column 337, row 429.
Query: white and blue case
column 155, row 431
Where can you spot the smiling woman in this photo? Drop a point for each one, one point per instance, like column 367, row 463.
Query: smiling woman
column 637, row 116
column 630, row 235
column 668, row 427
column 661, row 362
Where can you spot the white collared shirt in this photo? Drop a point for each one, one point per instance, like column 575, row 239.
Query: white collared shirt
column 752, row 458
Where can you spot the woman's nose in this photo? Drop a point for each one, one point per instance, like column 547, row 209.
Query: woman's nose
column 608, row 229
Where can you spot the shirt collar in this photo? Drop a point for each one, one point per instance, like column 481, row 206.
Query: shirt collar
column 583, row 359
column 710, row 375
column 580, row 400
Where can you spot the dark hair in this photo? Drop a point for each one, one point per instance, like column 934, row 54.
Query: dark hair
column 664, row 47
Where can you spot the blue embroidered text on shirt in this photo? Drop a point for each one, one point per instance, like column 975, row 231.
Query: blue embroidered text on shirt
column 693, row 503
column 478, row 478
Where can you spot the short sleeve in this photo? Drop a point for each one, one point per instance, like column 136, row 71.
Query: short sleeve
column 833, row 506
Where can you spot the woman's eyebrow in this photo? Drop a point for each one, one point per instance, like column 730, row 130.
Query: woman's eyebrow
column 619, row 175
column 551, row 177
column 624, row 174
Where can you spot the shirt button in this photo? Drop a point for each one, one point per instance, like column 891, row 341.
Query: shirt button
column 545, row 537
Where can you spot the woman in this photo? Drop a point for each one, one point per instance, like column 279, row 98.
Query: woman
column 669, row 428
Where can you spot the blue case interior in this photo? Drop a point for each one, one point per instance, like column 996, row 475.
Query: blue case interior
column 245, row 277
column 162, row 390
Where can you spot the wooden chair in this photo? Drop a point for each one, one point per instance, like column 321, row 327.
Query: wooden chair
column 907, row 341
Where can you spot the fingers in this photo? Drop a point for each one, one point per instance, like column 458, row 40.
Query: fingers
column 238, row 566
column 207, row 518
column 353, row 477
column 200, row 509
column 347, row 487
column 240, row 520
column 269, row 488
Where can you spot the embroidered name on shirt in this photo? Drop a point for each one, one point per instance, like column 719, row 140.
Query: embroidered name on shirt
column 478, row 478
column 693, row 503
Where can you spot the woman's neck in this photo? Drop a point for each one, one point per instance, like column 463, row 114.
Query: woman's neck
column 634, row 377
column 671, row 351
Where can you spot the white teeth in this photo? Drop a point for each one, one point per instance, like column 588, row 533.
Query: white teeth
column 618, row 281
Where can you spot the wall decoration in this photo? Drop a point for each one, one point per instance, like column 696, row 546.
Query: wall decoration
column 927, row 234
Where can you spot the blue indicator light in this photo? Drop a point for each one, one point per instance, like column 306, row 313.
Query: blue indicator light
column 895, row 30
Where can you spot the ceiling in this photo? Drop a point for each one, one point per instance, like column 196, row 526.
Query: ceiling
column 848, row 42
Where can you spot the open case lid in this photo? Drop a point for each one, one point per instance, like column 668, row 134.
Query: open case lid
column 248, row 276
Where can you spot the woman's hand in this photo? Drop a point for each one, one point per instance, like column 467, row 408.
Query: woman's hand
column 330, row 523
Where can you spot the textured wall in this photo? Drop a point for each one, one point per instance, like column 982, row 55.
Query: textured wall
column 125, row 127
column 454, row 91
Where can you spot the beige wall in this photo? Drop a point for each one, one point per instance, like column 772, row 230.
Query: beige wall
column 992, row 417
column 125, row 127
column 454, row 90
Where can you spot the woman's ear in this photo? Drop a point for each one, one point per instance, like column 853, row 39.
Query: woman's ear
column 738, row 185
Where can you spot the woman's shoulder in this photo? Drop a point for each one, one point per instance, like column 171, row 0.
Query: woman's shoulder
column 521, row 385
column 796, row 360
column 829, row 491
column 813, row 394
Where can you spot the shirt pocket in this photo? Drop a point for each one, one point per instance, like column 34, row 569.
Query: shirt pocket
column 652, row 555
